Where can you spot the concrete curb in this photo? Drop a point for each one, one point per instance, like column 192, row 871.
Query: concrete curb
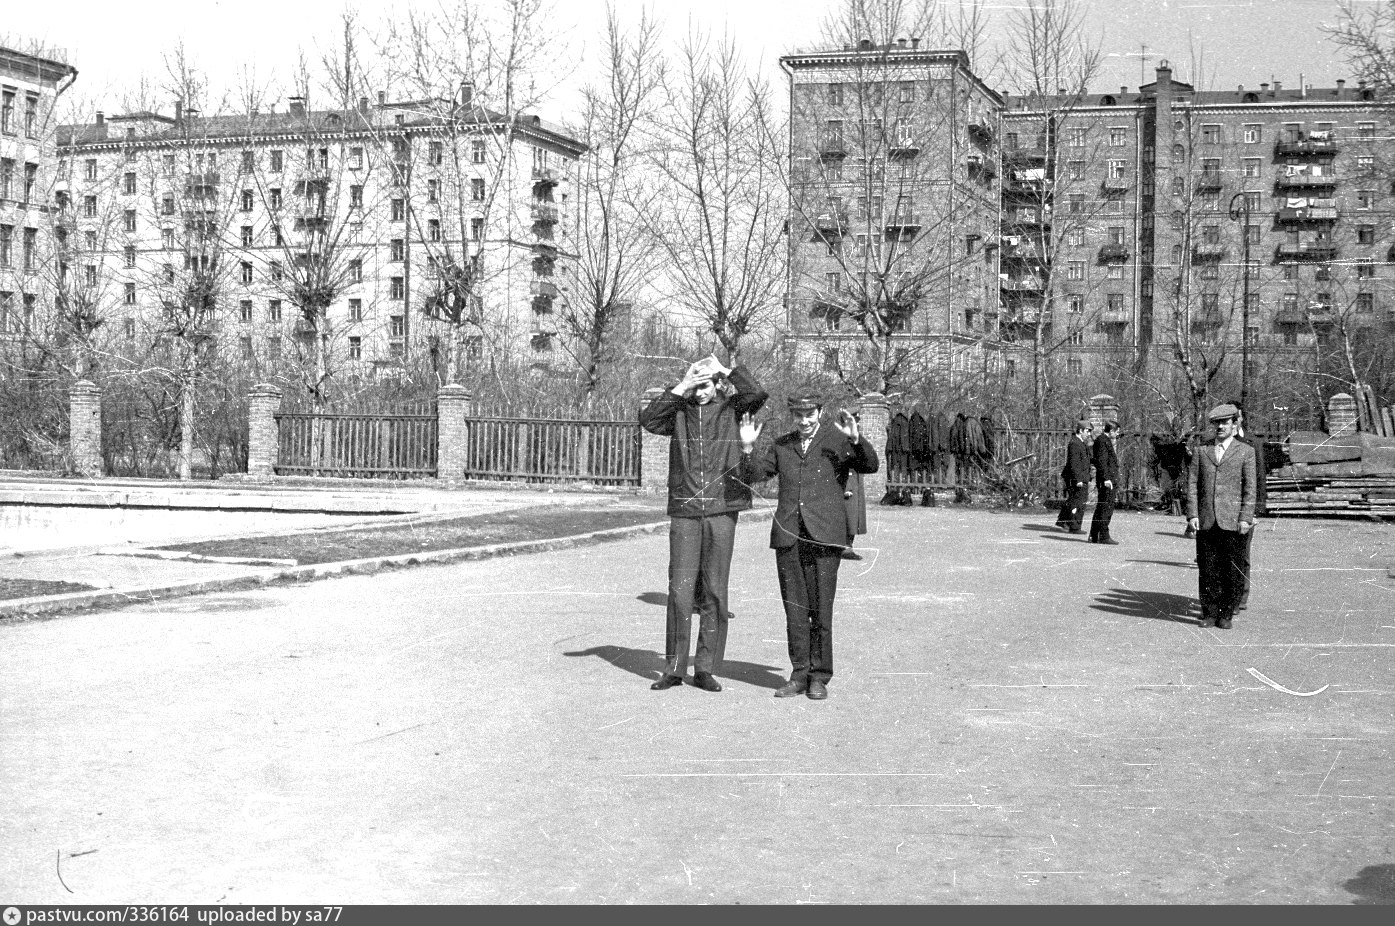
column 42, row 605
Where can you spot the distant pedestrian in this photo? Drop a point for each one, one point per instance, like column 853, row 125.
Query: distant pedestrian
column 1073, row 477
column 811, row 528
column 1105, row 457
column 705, row 493
column 1221, row 509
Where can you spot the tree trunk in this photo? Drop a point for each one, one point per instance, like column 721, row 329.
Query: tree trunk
column 186, row 426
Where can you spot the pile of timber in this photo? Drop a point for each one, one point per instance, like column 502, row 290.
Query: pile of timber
column 1339, row 496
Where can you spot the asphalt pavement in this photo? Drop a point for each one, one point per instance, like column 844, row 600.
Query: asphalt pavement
column 1016, row 716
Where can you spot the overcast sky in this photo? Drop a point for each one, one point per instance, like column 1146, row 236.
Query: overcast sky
column 111, row 44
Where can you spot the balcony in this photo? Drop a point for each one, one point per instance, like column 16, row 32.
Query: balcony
column 980, row 130
column 1307, row 215
column 545, row 177
column 826, row 302
column 832, row 149
column 1207, row 318
column 1115, row 316
column 1290, row 315
column 1116, row 184
column 1310, row 253
column 1208, row 252
column 542, row 305
column 1021, row 253
column 544, row 289
column 1025, row 155
column 1313, row 145
column 1028, row 284
column 830, row 225
column 1114, row 253
column 981, row 167
column 1307, row 180
column 902, row 223
column 1028, row 218
column 903, row 147
column 1208, row 182
column 543, row 265
column 544, row 214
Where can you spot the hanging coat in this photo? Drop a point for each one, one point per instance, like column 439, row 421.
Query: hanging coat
column 921, row 452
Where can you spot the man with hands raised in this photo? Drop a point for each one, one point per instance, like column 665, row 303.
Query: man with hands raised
column 810, row 530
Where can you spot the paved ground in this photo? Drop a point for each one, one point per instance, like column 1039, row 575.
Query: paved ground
column 1016, row 717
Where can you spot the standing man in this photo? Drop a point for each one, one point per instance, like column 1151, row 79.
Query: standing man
column 705, row 492
column 1106, row 460
column 1073, row 476
column 1221, row 509
column 1261, row 479
column 811, row 528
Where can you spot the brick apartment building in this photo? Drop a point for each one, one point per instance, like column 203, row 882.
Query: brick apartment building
column 381, row 204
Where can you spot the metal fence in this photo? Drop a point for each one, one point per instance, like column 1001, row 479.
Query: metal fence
column 396, row 446
column 540, row 450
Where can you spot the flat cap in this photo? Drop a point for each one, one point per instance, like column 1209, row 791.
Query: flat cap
column 1222, row 412
column 805, row 402
column 1084, row 423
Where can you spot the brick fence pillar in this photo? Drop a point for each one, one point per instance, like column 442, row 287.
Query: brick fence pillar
column 653, row 452
column 85, row 428
column 1103, row 408
column 263, row 441
column 452, row 432
column 1341, row 415
column 872, row 418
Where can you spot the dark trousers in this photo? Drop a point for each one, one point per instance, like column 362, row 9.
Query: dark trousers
column 1104, row 511
column 1220, row 571
column 699, row 555
column 1073, row 508
column 808, row 574
column 1245, row 564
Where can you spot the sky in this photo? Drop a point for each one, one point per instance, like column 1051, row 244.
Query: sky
column 112, row 44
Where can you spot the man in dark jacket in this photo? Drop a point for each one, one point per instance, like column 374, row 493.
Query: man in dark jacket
column 705, row 492
column 810, row 529
column 1106, row 461
column 1221, row 510
column 1261, row 497
column 1073, row 476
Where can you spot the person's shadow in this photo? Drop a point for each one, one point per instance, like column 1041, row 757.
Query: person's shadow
column 648, row 664
column 1162, row 606
column 1374, row 884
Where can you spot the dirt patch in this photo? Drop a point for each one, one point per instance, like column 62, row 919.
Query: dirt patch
column 11, row 589
column 537, row 523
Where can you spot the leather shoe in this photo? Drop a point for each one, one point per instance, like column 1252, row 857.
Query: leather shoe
column 850, row 554
column 791, row 688
column 1109, row 540
column 667, row 681
column 1205, row 622
column 817, row 690
column 1223, row 623
column 706, row 682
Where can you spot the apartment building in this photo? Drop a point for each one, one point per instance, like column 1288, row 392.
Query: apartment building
column 372, row 234
column 894, row 204
column 29, row 84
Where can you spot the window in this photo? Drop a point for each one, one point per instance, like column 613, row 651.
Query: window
column 130, row 257
column 1322, row 273
column 128, row 184
column 167, row 165
column 1074, row 365
column 1210, row 271
column 1211, row 202
column 1117, row 136
column 1211, row 234
column 1177, row 220
column 1365, row 163
column 1253, row 133
column 356, row 196
column 275, row 197
column 1249, row 167
column 435, row 153
column 397, row 326
column 1114, row 271
column 277, row 161
column 31, row 236
column 1116, row 234
column 1365, row 234
column 1365, row 130
column 356, row 158
column 7, row 113
column 246, row 236
column 31, row 177
column 476, row 151
column 1253, row 234
column 245, row 272
column 277, row 273
column 397, row 288
column 1290, row 333
column 1010, row 140
column 244, row 310
column 1075, row 137
column 835, row 94
column 323, row 159
column 399, row 210
column 476, row 229
column 396, row 249
column 1365, row 269
column 355, row 270
column 433, row 229
column 1210, row 134
column 7, row 234
column 1077, row 237
column 830, row 355
column 1011, row 369
column 1210, row 304
column 1075, row 170
column 89, row 206
column 90, row 169
column 1178, row 185
column 1077, row 202
column 477, row 190
column 355, row 348
column 273, row 310
column 1075, row 303
column 1252, row 201
column 273, row 347
column 1115, row 201
column 7, row 176
column 1365, row 199
column 1075, row 270
column 31, row 115
column 1365, row 303
column 128, row 327
column 355, row 310
column 128, row 220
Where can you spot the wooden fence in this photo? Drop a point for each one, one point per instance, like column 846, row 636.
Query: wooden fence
column 397, row 446
column 539, row 450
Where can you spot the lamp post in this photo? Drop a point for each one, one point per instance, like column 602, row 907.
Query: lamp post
column 1240, row 212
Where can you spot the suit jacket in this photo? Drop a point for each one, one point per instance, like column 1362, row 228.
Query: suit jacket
column 1077, row 468
column 812, row 484
column 1222, row 495
column 1106, row 461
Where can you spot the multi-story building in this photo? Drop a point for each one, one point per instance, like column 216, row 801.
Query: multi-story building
column 361, row 235
column 29, row 84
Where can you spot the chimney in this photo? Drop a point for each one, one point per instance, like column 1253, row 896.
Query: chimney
column 1240, row 88
column 1123, row 90
column 298, row 107
column 1264, row 88
column 1340, row 84
column 1361, row 85
column 1277, row 87
column 467, row 93
column 900, row 43
column 363, row 104
column 915, row 41
column 1302, row 87
column 1164, row 73
column 101, row 118
column 382, row 97
column 178, row 110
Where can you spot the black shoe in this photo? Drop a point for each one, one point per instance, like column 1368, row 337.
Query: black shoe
column 706, row 682
column 817, row 690
column 667, row 681
column 1244, row 604
column 791, row 688
column 1222, row 623
column 851, row 554
column 1109, row 540
column 1205, row 622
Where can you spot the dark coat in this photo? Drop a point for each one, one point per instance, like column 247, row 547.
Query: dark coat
column 704, row 456
column 1222, row 495
column 1077, row 468
column 1106, row 461
column 812, row 484
column 922, row 452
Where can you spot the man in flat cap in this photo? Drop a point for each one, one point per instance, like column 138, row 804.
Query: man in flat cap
column 1221, row 509
column 811, row 528
column 1074, row 475
column 1105, row 457
column 705, row 493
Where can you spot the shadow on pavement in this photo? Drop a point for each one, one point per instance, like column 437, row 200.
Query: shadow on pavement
column 648, row 664
column 1045, row 528
column 1375, row 884
column 658, row 598
column 1159, row 562
column 1163, row 606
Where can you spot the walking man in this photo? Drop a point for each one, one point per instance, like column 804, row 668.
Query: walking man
column 811, row 528
column 1073, row 475
column 1221, row 509
column 705, row 492
column 1106, row 461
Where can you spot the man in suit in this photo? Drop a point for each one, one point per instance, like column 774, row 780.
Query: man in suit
column 810, row 529
column 705, row 493
column 1261, row 478
column 1073, row 475
column 1106, row 461
column 1221, row 509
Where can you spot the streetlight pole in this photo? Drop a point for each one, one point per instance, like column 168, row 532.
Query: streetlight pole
column 1240, row 212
